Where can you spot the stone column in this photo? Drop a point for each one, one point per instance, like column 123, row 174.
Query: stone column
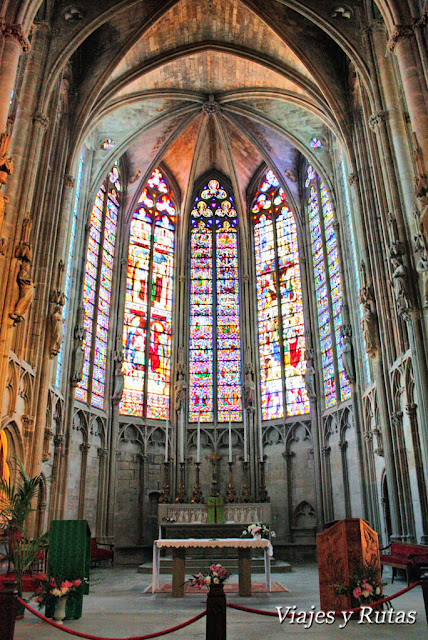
column 405, row 494
column 411, row 410
column 56, row 480
column 15, row 43
column 102, row 498
column 403, row 44
column 84, row 448
column 328, row 506
column 288, row 456
column 343, row 446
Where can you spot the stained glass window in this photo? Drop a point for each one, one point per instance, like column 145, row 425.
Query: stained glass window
column 215, row 343
column 69, row 267
column 97, row 288
column 328, row 288
column 279, row 304
column 148, row 307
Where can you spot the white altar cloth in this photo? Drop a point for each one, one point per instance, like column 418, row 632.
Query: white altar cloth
column 221, row 543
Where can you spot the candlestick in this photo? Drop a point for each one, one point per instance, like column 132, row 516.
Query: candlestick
column 182, row 436
column 181, row 492
column 245, row 437
column 230, row 440
column 231, row 489
column 197, row 493
column 166, row 442
column 245, row 489
column 198, row 440
column 165, row 488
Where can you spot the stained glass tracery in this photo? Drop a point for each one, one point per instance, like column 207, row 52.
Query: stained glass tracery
column 148, row 303
column 328, row 290
column 279, row 303
column 215, row 364
column 97, row 288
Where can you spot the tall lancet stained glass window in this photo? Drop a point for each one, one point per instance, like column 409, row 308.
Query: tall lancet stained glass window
column 328, row 288
column 279, row 304
column 147, row 330
column 215, row 344
column 97, row 288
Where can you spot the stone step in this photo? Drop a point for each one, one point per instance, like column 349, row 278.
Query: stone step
column 257, row 566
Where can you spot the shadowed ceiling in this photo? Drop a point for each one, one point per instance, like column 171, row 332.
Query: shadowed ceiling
column 211, row 84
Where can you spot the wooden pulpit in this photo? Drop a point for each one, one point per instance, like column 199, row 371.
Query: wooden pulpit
column 343, row 548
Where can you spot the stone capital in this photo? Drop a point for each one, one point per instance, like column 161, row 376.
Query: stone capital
column 58, row 440
column 377, row 118
column 399, row 32
column 353, row 179
column 411, row 409
column 69, row 181
column 102, row 453
column 41, row 120
column 28, row 425
column 84, row 447
column 16, row 32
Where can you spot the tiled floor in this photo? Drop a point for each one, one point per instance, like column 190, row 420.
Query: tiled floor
column 118, row 608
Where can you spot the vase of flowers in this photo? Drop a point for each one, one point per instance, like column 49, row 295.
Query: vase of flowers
column 257, row 531
column 214, row 579
column 56, row 592
column 365, row 587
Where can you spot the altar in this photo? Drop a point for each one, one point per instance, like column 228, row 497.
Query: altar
column 244, row 546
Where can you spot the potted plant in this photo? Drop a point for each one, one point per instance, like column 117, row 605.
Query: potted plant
column 16, row 498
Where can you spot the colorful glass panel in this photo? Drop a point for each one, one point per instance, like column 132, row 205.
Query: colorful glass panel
column 321, row 291
column 228, row 330
column 279, row 302
column 69, row 267
column 335, row 286
column 149, row 308
column 215, row 365
column 90, row 288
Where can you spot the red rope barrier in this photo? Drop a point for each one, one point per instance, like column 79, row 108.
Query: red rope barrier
column 90, row 637
column 336, row 613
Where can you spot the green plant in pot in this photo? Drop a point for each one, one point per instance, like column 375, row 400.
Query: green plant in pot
column 16, row 499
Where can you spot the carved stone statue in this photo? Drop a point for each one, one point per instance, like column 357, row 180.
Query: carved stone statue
column 309, row 375
column 26, row 293
column 79, row 347
column 348, row 352
column 56, row 326
column 249, row 390
column 180, row 390
column 368, row 326
column 78, row 362
column 118, row 377
column 401, row 286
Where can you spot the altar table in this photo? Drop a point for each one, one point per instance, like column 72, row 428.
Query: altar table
column 243, row 545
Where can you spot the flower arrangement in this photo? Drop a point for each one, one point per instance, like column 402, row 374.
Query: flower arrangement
column 258, row 529
column 217, row 574
column 366, row 585
column 51, row 590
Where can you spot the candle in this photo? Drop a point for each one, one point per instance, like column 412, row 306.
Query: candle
column 198, row 439
column 166, row 442
column 245, row 438
column 230, row 440
column 182, row 435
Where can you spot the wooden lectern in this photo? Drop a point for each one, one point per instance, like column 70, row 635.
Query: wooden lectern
column 343, row 548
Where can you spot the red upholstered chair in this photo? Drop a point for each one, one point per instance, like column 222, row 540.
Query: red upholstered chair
column 98, row 554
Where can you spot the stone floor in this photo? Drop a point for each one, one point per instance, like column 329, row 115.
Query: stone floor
column 117, row 607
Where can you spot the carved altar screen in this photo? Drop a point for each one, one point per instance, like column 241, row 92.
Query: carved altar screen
column 148, row 303
column 279, row 304
column 215, row 342
column 97, row 288
column 328, row 288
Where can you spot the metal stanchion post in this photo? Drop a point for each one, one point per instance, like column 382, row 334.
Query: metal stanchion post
column 216, row 613
column 424, row 584
column 8, row 608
